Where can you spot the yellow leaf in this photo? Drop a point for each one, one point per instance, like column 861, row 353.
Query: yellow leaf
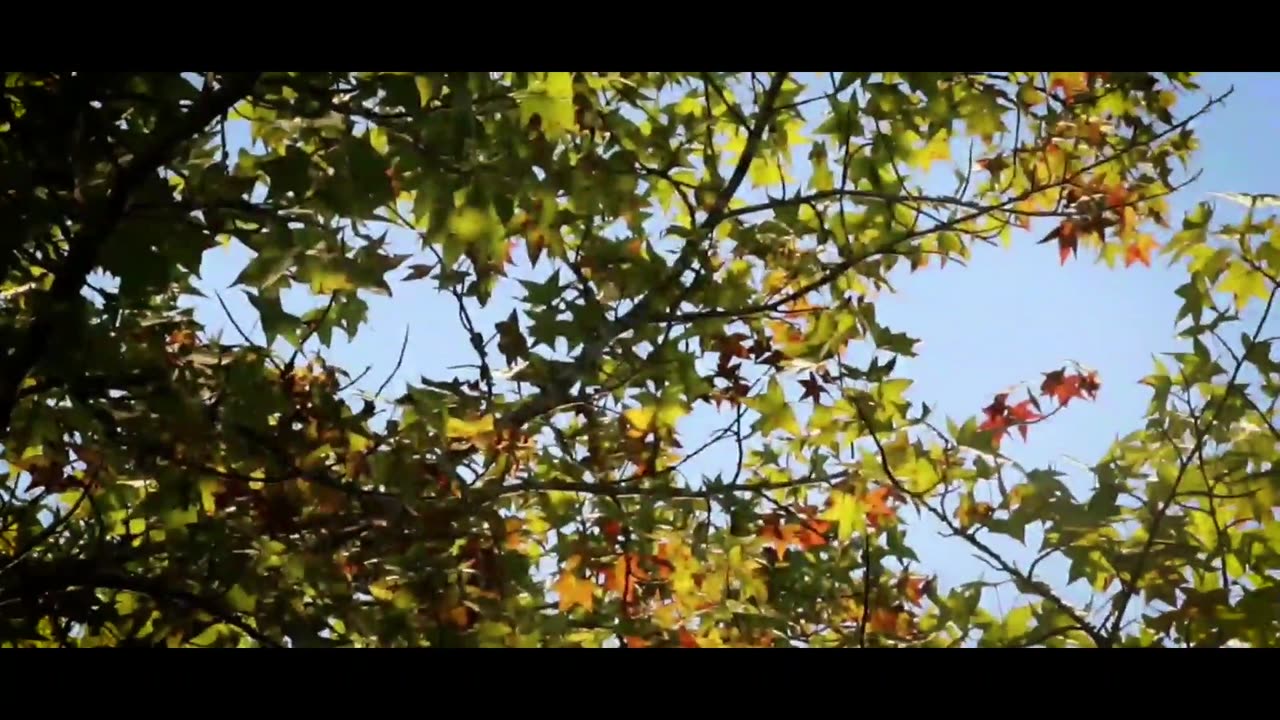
column 380, row 590
column 180, row 518
column 936, row 149
column 425, row 91
column 641, row 420
column 468, row 429
column 378, row 139
column 208, row 487
column 574, row 590
column 766, row 172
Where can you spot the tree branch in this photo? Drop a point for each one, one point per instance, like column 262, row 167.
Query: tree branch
column 559, row 390
column 1130, row 585
column 86, row 246
column 1025, row 582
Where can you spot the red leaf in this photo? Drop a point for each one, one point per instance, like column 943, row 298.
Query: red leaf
column 731, row 345
column 1089, row 385
column 1022, row 413
column 611, row 529
column 996, row 408
column 1063, row 387
column 998, row 425
column 1055, row 386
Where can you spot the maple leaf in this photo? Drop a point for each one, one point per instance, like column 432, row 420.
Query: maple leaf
column 780, row 537
column 884, row 621
column 663, row 562
column 514, row 533
column 1089, row 384
column 997, row 425
column 994, row 165
column 878, row 507
column 914, row 588
column 813, row 388
column 1022, row 413
column 1072, row 84
column 624, row 577
column 1139, row 250
column 970, row 512
column 688, row 639
column 809, row 535
column 636, row 642
column 459, row 616
column 998, row 418
column 1060, row 386
column 1067, row 241
column 574, row 590
column 997, row 407
column 611, row 529
column 731, row 346
column 1117, row 197
column 772, row 532
column 511, row 342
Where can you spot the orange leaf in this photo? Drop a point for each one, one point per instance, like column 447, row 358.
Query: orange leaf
column 1117, row 197
column 1139, row 250
column 636, row 642
column 624, row 577
column 1071, row 84
column 688, row 639
column 460, row 616
column 915, row 588
column 808, row 536
column 883, row 621
column 878, row 508
column 1067, row 241
column 574, row 590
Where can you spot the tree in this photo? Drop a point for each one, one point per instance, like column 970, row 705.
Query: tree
column 175, row 483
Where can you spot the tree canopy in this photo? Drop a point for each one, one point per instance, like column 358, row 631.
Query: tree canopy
column 677, row 251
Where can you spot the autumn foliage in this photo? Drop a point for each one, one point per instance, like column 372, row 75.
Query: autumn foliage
column 651, row 402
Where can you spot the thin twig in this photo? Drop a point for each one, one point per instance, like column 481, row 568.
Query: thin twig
column 404, row 344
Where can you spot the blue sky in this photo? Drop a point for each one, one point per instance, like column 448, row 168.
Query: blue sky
column 1013, row 314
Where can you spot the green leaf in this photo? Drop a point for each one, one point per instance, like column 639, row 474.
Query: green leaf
column 240, row 600
column 550, row 98
column 275, row 321
column 1017, row 622
column 1244, row 284
column 775, row 411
